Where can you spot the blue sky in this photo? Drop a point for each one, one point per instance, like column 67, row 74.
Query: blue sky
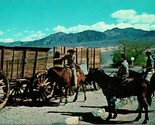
column 26, row 20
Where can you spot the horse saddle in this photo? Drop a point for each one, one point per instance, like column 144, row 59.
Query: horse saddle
column 126, row 81
column 62, row 71
column 68, row 70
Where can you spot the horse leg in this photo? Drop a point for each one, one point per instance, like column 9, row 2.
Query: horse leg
column 140, row 111
column 84, row 91
column 146, row 112
column 76, row 95
column 115, row 111
column 109, row 110
column 66, row 92
column 71, row 91
column 60, row 92
column 94, row 85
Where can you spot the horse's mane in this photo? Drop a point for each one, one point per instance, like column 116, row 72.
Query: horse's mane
column 133, row 74
column 106, row 79
column 54, row 72
column 102, row 72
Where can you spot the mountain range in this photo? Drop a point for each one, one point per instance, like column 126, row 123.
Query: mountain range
column 89, row 38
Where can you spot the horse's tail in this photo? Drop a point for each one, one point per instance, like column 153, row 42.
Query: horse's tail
column 149, row 94
column 152, row 84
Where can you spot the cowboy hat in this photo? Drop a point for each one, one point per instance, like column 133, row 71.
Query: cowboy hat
column 71, row 51
column 148, row 51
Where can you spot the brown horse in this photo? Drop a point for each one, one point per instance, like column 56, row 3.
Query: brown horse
column 152, row 84
column 134, row 74
column 64, row 78
column 112, row 89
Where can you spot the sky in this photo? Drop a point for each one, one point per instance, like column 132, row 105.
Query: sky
column 28, row 20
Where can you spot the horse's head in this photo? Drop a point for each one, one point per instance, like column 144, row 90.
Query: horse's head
column 92, row 74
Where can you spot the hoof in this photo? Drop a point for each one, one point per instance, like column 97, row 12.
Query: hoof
column 60, row 101
column 108, row 118
column 74, row 100
column 66, row 102
column 137, row 119
column 114, row 116
column 85, row 99
column 144, row 122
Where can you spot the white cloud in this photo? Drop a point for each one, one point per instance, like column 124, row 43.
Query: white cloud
column 100, row 26
column 131, row 16
column 7, row 40
column 123, row 15
column 125, row 19
column 152, row 27
column 34, row 36
column 1, row 32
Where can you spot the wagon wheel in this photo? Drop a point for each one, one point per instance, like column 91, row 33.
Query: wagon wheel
column 17, row 90
column 42, row 87
column 4, row 89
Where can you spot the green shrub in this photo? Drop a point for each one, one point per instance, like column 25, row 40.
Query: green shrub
column 139, row 61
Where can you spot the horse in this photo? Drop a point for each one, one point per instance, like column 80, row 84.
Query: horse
column 112, row 89
column 152, row 84
column 64, row 78
column 134, row 74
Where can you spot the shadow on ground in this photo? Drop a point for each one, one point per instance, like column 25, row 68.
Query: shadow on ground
column 119, row 111
column 90, row 118
column 33, row 104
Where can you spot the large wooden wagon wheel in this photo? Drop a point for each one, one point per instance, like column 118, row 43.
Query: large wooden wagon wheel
column 4, row 89
column 42, row 88
column 18, row 90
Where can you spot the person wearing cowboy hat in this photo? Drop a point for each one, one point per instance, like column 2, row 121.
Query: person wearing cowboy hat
column 149, row 65
column 123, row 69
column 70, row 57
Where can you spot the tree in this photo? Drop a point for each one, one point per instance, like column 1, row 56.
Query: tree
column 134, row 49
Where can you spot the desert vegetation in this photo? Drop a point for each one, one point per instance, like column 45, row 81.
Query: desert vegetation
column 132, row 49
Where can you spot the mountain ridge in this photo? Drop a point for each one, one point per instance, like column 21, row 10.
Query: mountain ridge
column 88, row 38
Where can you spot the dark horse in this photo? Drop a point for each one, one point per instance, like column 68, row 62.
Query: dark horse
column 134, row 74
column 111, row 88
column 152, row 84
column 64, row 78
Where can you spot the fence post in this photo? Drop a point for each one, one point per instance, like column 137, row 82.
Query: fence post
column 76, row 55
column 23, row 62
column 12, row 63
column 81, row 56
column 35, row 62
column 54, row 49
column 94, row 59
column 87, row 58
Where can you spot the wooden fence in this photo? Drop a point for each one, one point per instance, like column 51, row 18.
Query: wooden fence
column 90, row 56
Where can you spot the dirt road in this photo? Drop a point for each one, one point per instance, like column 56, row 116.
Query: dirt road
column 90, row 112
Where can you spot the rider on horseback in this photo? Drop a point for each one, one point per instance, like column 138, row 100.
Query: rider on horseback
column 70, row 57
column 149, row 65
column 123, row 71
